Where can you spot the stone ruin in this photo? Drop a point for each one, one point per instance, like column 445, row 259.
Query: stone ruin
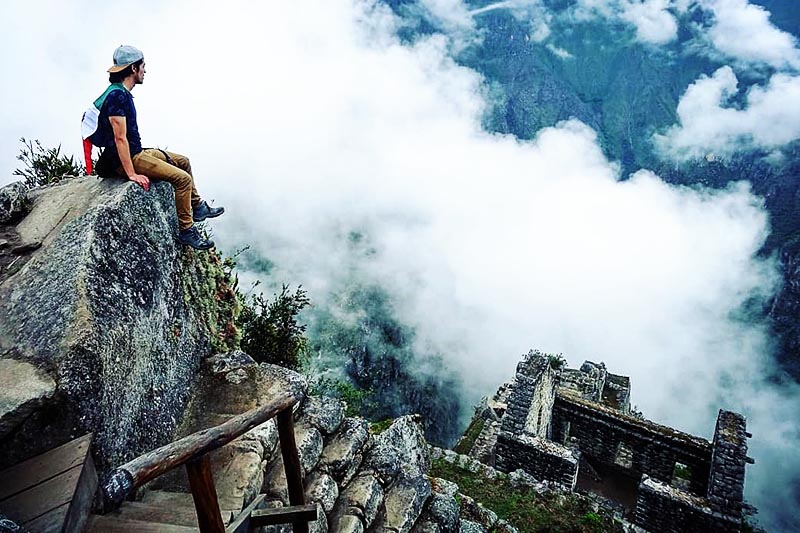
column 576, row 428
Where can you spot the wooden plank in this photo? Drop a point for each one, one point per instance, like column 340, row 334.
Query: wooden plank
column 43, row 467
column 42, row 498
column 83, row 498
column 284, row 515
column 241, row 524
column 205, row 495
column 291, row 463
column 50, row 522
column 154, row 463
column 113, row 523
column 229, row 506
column 148, row 512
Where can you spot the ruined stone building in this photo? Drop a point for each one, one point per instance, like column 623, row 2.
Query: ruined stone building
column 576, row 428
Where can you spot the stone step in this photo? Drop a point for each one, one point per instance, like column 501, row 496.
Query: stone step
column 115, row 524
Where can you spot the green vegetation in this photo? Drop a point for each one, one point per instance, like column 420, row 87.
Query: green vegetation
column 376, row 428
column 525, row 509
column 209, row 288
column 270, row 330
column 358, row 332
column 557, row 361
column 45, row 166
column 467, row 441
column 358, row 400
column 682, row 471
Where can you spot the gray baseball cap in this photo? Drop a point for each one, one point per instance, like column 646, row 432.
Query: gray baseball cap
column 124, row 56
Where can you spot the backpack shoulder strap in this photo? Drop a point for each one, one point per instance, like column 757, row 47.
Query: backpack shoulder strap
column 113, row 87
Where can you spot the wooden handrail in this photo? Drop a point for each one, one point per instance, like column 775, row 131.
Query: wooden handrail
column 121, row 482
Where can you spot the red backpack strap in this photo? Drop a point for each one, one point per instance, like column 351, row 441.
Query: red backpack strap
column 87, row 154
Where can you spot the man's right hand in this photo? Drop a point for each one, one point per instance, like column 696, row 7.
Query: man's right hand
column 141, row 180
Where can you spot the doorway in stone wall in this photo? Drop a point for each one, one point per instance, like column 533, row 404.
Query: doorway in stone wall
column 611, row 481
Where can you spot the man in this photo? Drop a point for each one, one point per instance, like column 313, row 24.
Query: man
column 119, row 134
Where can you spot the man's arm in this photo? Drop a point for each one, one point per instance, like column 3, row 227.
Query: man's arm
column 120, row 127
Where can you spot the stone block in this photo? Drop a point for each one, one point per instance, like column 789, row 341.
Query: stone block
column 14, row 202
column 324, row 413
column 401, row 448
column 467, row 526
column 23, row 388
column 362, row 498
column 322, row 488
column 309, row 445
column 342, row 454
column 444, row 511
column 403, row 504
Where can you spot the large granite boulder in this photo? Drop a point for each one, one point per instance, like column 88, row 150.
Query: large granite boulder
column 116, row 311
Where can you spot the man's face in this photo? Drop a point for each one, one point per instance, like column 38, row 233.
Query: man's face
column 139, row 74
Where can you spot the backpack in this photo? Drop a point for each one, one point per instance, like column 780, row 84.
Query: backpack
column 89, row 125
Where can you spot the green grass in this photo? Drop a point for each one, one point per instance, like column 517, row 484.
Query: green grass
column 466, row 442
column 525, row 509
column 376, row 428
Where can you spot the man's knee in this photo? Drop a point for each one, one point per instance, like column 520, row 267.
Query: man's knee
column 181, row 161
column 182, row 180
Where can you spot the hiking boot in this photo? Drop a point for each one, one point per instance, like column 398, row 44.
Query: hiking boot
column 203, row 211
column 191, row 237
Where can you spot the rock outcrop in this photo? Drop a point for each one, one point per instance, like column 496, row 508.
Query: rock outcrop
column 113, row 309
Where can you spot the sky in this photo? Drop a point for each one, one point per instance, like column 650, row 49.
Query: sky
column 308, row 120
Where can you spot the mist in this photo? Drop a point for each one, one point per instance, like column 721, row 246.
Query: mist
column 312, row 120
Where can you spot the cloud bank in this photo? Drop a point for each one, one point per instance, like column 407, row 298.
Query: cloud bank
column 309, row 120
column 710, row 123
column 741, row 31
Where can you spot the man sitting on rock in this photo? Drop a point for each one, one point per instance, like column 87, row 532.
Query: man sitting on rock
column 124, row 155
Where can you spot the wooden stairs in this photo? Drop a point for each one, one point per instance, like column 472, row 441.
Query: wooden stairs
column 168, row 512
column 53, row 491
column 56, row 491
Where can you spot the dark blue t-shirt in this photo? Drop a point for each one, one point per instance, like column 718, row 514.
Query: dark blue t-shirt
column 119, row 103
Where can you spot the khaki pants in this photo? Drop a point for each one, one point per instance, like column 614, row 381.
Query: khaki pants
column 153, row 164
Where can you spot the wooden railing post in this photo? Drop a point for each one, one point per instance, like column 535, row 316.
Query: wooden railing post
column 204, row 495
column 291, row 462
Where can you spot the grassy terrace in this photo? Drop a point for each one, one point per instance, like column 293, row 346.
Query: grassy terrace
column 525, row 509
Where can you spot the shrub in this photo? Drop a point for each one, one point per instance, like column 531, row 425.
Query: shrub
column 270, row 331
column 45, row 166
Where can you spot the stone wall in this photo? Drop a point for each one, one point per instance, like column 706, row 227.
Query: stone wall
column 544, row 460
column 612, row 437
column 587, row 382
column 670, row 510
column 726, row 483
column 617, row 392
column 530, row 403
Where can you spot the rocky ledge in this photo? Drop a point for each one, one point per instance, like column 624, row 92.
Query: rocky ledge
column 104, row 317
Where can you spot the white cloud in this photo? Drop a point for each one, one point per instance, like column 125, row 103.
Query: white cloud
column 708, row 123
column 742, row 31
column 452, row 14
column 309, row 119
column 653, row 20
column 559, row 52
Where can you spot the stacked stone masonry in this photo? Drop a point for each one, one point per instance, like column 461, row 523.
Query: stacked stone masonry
column 603, row 434
column 540, row 458
column 686, row 483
